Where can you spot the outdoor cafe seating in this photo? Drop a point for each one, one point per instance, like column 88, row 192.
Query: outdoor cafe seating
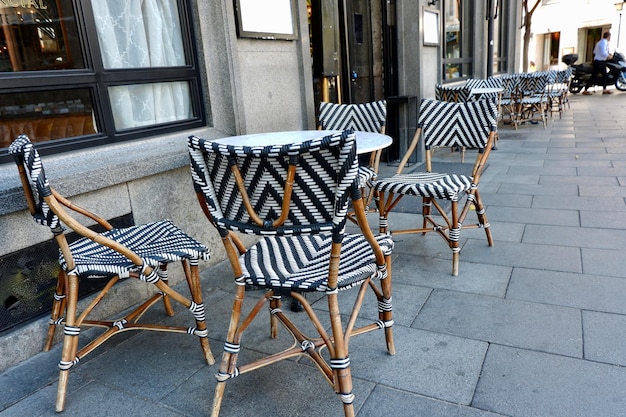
column 472, row 125
column 295, row 198
column 113, row 255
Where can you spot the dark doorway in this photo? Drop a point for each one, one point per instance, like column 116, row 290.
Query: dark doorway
column 347, row 40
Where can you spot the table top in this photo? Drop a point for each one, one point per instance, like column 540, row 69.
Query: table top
column 365, row 141
column 486, row 90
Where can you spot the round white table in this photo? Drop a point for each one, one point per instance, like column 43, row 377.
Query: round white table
column 366, row 142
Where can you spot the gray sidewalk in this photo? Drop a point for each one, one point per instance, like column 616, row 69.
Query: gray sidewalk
column 534, row 326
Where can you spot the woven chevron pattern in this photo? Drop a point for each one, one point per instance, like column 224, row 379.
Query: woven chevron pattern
column 364, row 117
column 534, row 83
column 457, row 124
column 459, row 94
column 296, row 255
column 563, row 76
column 426, row 184
column 327, row 171
column 490, row 82
column 156, row 243
column 301, row 263
column 23, row 149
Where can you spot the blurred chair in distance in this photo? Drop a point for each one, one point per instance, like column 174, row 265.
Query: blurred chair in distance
column 472, row 125
column 296, row 198
column 140, row 252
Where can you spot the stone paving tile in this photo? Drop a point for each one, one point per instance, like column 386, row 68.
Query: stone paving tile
column 515, row 323
column 582, row 291
column 580, row 203
column 603, row 191
column 604, row 337
column 525, row 383
column 602, row 219
column 578, row 180
column 282, row 390
column 603, row 262
column 397, row 403
column 574, row 236
column 90, row 399
column 577, row 163
column 540, row 189
column 411, row 271
column 134, row 363
column 549, row 170
column 567, row 217
column 426, row 363
column 555, row 258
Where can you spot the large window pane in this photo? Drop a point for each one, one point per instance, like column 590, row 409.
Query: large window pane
column 457, row 48
column 149, row 104
column 46, row 115
column 40, row 36
column 139, row 33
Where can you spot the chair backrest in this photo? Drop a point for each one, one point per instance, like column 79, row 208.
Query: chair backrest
column 296, row 188
column 34, row 181
column 564, row 76
column 489, row 82
column 456, row 94
column 510, row 84
column 457, row 124
column 50, row 209
column 364, row 117
column 534, row 83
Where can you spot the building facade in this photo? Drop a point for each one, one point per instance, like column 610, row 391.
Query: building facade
column 580, row 24
column 110, row 89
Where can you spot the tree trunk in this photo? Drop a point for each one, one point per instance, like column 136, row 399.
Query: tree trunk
column 526, row 44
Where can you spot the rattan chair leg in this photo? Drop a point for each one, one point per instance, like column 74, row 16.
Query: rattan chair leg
column 426, row 205
column 386, row 310
column 275, row 302
column 167, row 303
column 340, row 361
column 58, row 307
column 217, row 398
column 70, row 340
column 482, row 217
column 192, row 274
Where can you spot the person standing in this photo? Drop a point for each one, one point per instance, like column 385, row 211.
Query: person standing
column 601, row 54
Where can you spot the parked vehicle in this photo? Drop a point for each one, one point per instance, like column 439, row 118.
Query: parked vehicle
column 582, row 72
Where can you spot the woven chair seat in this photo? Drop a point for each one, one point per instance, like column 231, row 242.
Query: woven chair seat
column 156, row 243
column 139, row 252
column 367, row 175
column 426, row 184
column 300, row 263
column 533, row 99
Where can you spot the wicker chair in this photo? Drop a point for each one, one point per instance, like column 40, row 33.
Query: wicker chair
column 456, row 94
column 364, row 117
column 472, row 125
column 558, row 91
column 296, row 197
column 141, row 252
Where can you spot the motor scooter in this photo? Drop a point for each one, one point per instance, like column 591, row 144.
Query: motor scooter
column 581, row 73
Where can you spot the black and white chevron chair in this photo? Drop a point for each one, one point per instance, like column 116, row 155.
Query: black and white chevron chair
column 453, row 94
column 141, row 252
column 558, row 91
column 295, row 197
column 472, row 125
column 364, row 117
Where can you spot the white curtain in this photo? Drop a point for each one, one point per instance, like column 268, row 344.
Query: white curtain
column 143, row 34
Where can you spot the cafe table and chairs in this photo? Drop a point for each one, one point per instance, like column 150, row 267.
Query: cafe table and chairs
column 292, row 190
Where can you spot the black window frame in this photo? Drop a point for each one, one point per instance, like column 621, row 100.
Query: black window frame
column 466, row 59
column 501, row 51
column 98, row 79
